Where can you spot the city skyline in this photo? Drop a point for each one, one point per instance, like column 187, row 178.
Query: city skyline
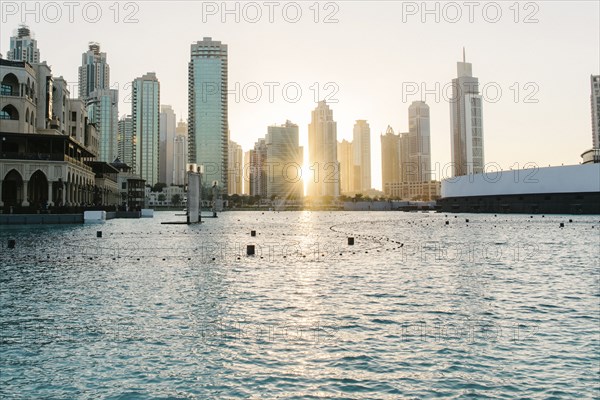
column 507, row 121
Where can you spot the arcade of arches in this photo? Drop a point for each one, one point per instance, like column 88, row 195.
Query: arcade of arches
column 38, row 192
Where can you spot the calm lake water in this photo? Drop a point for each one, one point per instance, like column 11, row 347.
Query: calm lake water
column 503, row 306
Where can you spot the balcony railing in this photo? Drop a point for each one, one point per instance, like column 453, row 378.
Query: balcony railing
column 43, row 157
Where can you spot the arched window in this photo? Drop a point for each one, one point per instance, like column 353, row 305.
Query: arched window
column 9, row 85
column 27, row 115
column 9, row 112
column 31, row 120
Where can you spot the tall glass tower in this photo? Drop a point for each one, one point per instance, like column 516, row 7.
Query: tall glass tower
column 207, row 110
column 322, row 153
column 420, row 141
column 23, row 47
column 126, row 140
column 102, row 108
column 145, row 114
column 362, row 156
column 466, row 122
column 94, row 72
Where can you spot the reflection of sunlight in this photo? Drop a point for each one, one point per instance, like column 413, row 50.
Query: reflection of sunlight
column 306, row 174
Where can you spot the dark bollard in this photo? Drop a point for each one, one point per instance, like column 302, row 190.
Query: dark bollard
column 99, row 234
column 570, row 220
column 12, row 243
column 467, row 220
column 447, row 223
column 253, row 233
column 562, row 225
column 250, row 250
column 350, row 241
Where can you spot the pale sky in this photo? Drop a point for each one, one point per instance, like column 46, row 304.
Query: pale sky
column 373, row 51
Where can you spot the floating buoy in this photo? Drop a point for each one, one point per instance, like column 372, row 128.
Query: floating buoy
column 250, row 250
column 350, row 241
column 12, row 243
column 562, row 225
column 99, row 234
column 252, row 233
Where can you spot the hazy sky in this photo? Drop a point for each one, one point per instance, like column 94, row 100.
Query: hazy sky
column 375, row 56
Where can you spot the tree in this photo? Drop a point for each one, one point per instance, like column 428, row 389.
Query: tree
column 162, row 197
column 175, row 199
column 158, row 187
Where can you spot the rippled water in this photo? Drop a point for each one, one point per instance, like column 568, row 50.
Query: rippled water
column 497, row 307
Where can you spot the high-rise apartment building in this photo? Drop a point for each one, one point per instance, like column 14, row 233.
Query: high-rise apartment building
column 125, row 139
column 362, row 156
column 207, row 110
column 94, row 72
column 145, row 113
column 103, row 111
column 180, row 154
column 466, row 122
column 167, row 140
column 284, row 158
column 345, row 153
column 420, row 143
column 324, row 179
column 235, row 167
column 23, row 47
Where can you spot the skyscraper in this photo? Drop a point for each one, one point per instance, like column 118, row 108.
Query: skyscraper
column 167, row 138
column 420, row 143
column 284, row 157
column 235, row 167
column 322, row 153
column 595, row 103
column 345, row 153
column 362, row 155
column 466, row 122
column 207, row 110
column 23, row 47
column 94, row 72
column 180, row 153
column 390, row 158
column 103, row 111
column 145, row 112
column 258, row 169
column 126, row 140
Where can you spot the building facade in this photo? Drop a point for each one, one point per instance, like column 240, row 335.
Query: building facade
column 419, row 142
column 345, row 154
column 23, row 47
column 235, row 167
column 180, row 153
column 285, row 158
column 390, row 158
column 466, row 121
column 167, row 141
column 322, row 153
column 103, row 111
column 361, row 141
column 595, row 104
column 125, row 140
column 258, row 169
column 145, row 113
column 208, row 132
column 94, row 72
